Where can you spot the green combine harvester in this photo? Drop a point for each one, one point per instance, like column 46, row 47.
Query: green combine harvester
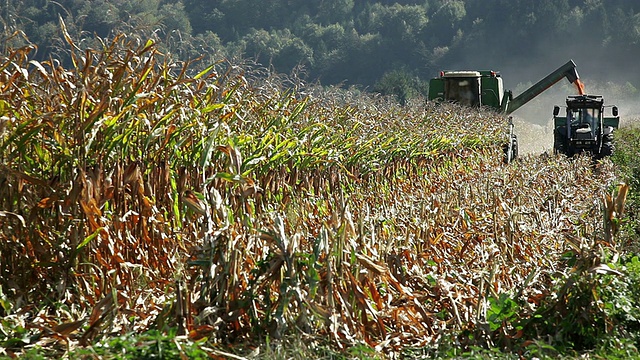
column 485, row 89
column 585, row 128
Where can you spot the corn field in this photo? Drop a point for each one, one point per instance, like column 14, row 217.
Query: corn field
column 235, row 204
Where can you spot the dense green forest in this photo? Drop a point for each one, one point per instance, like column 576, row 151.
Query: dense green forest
column 370, row 44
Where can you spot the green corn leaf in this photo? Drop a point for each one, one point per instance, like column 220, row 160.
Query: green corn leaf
column 88, row 239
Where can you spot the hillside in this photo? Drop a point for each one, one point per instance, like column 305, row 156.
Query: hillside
column 372, row 44
column 227, row 210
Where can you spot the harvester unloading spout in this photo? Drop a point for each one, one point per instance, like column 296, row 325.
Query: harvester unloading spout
column 567, row 70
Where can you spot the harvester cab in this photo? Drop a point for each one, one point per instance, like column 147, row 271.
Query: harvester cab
column 485, row 89
column 585, row 128
column 469, row 88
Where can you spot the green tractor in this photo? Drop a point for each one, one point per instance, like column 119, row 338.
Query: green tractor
column 585, row 128
column 485, row 89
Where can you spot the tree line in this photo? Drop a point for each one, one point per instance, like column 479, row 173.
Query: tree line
column 390, row 46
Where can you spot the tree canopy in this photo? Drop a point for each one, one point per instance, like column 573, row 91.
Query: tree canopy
column 356, row 42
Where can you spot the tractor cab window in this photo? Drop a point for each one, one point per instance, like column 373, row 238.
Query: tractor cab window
column 465, row 91
column 585, row 116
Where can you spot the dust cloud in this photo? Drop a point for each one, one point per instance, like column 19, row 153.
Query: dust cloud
column 533, row 138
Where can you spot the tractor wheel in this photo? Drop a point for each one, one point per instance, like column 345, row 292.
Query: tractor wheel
column 559, row 143
column 511, row 154
column 514, row 147
column 607, row 145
